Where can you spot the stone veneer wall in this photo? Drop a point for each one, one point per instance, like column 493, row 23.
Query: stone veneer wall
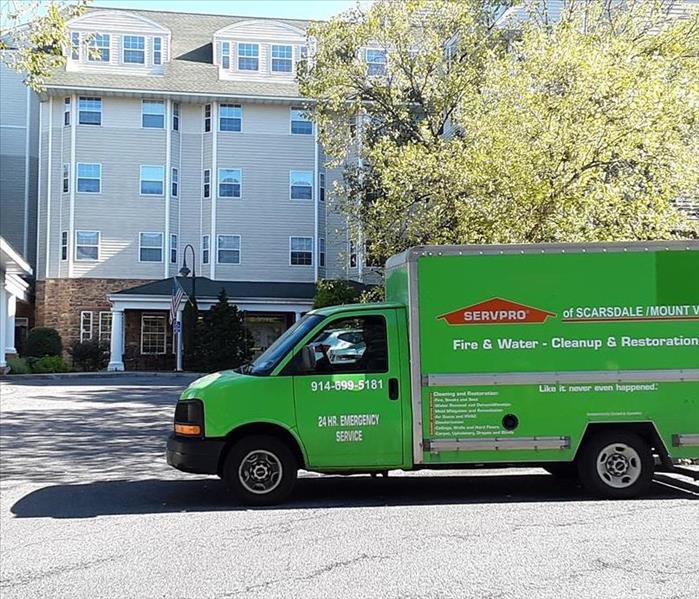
column 60, row 301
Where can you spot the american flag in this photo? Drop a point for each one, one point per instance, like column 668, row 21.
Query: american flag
column 178, row 295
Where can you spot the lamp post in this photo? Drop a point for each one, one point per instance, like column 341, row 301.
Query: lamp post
column 184, row 272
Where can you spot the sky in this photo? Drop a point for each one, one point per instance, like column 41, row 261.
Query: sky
column 291, row 9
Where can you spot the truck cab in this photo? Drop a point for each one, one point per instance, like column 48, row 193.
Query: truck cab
column 330, row 395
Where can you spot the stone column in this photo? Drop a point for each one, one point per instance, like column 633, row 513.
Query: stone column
column 11, row 310
column 116, row 348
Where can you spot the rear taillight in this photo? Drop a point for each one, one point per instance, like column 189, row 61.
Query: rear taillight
column 189, row 418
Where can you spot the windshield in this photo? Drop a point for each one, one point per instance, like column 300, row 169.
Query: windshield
column 268, row 360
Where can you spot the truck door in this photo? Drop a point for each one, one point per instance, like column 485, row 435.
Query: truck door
column 346, row 392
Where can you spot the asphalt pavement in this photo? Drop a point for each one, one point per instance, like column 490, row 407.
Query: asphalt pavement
column 89, row 508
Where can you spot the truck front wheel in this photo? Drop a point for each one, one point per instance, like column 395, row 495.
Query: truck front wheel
column 616, row 464
column 260, row 470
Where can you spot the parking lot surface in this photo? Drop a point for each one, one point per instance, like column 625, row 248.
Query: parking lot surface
column 89, row 508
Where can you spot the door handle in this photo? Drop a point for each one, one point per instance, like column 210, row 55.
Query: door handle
column 393, row 388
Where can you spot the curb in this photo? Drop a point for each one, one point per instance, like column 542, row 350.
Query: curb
column 100, row 375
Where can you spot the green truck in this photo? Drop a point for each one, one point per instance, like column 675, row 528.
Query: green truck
column 581, row 359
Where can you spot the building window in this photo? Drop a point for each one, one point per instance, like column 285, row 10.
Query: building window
column 322, row 187
column 75, row 45
column 321, row 257
column 152, row 180
column 134, row 49
column 248, row 57
column 153, row 115
column 153, row 334
column 90, row 111
column 157, row 50
column 225, row 55
column 205, row 249
column 352, row 254
column 87, row 245
column 66, row 111
column 150, row 247
column 301, row 251
column 207, row 117
column 66, row 178
column 105, row 327
column 376, row 62
column 301, row 185
column 176, row 116
column 230, row 117
column 175, row 183
column 300, row 123
column 99, row 48
column 173, row 249
column 89, row 178
column 281, row 59
column 207, row 183
column 64, row 245
column 229, row 183
column 228, row 249
column 85, row 326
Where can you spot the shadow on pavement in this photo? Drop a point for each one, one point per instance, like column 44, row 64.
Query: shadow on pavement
column 201, row 495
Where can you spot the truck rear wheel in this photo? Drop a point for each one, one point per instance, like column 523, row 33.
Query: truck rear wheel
column 260, row 470
column 616, row 464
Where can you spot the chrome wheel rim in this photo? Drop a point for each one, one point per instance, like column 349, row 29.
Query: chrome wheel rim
column 619, row 465
column 260, row 472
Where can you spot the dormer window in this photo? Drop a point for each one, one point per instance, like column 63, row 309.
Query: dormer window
column 157, row 50
column 99, row 48
column 281, row 59
column 75, row 45
column 248, row 57
column 134, row 49
column 226, row 55
column 376, row 62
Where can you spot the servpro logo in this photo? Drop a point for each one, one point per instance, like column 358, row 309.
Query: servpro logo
column 497, row 311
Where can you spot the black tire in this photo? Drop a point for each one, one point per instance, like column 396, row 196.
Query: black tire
column 562, row 470
column 602, row 461
column 257, row 462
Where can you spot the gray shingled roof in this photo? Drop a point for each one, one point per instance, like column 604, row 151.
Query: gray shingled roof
column 191, row 69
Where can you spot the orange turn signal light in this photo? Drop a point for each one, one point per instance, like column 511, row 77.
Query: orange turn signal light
column 188, row 429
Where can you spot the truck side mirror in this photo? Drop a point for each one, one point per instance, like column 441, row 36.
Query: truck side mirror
column 308, row 358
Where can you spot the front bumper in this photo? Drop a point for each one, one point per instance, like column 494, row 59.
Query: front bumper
column 198, row 456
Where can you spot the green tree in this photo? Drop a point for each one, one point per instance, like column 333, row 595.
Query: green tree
column 583, row 129
column 222, row 341
column 35, row 31
column 334, row 293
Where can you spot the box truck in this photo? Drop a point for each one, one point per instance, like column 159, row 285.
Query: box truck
column 577, row 358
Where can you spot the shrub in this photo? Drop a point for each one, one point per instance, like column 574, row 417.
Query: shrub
column 18, row 366
column 89, row 355
column 44, row 341
column 334, row 293
column 49, row 364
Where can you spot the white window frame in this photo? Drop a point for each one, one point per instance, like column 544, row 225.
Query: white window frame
column 292, row 120
column 75, row 45
column 219, row 249
column 95, row 52
column 104, row 333
column 78, row 177
column 66, row 112
column 175, row 116
column 64, row 246
column 205, row 249
column 159, row 318
column 124, row 50
column 244, row 56
column 321, row 187
column 207, row 174
column 86, row 325
column 66, row 178
column 305, row 237
column 175, row 182
column 157, row 52
column 150, row 247
column 79, row 245
column 173, row 248
column 230, row 118
column 97, row 100
column 207, row 118
column 162, row 114
column 226, row 56
column 374, row 62
column 272, row 59
column 291, row 195
column 141, row 180
column 321, row 252
column 218, row 183
column 352, row 251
